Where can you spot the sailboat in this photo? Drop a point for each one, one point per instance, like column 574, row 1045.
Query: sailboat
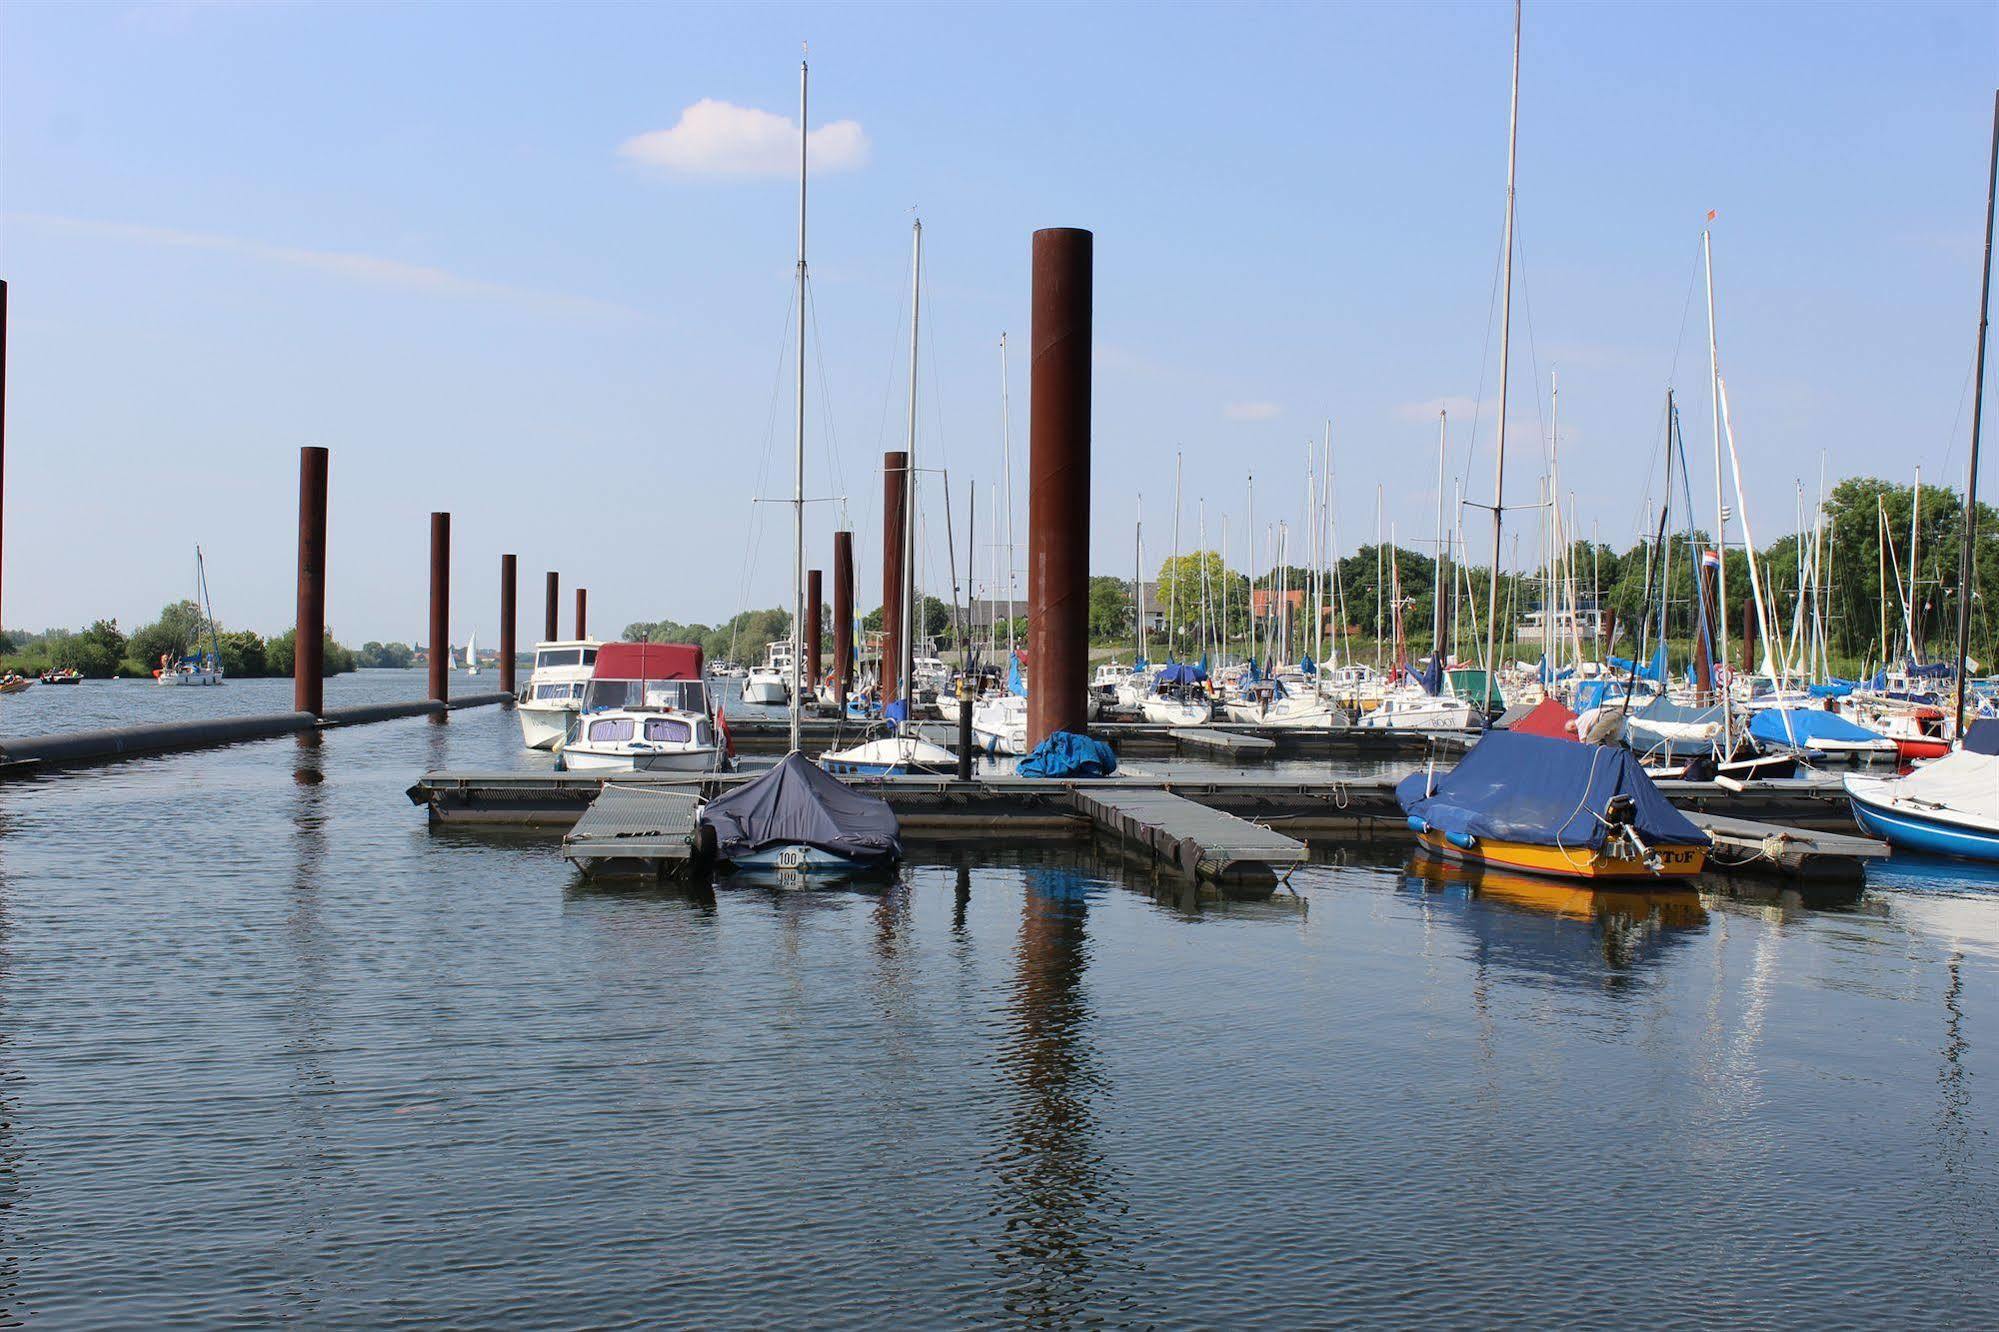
column 204, row 665
column 905, row 752
column 1950, row 806
column 471, row 654
column 796, row 817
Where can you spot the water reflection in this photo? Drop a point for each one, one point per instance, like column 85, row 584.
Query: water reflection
column 1056, row 1192
column 1557, row 933
column 10, row 1082
column 307, row 1158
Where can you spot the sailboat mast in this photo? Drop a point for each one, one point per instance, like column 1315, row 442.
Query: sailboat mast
column 1437, row 579
column 910, row 618
column 1720, row 511
column 1006, row 467
column 1173, row 584
column 1915, row 552
column 1505, row 339
column 794, row 689
column 1964, row 567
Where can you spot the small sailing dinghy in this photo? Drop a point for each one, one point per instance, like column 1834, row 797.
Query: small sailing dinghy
column 900, row 755
column 1946, row 807
column 471, row 654
column 798, row 817
column 1546, row 806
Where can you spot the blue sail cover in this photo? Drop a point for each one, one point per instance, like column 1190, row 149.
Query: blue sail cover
column 798, row 803
column 1180, row 674
column 1805, row 727
column 1433, row 675
column 1066, row 754
column 1513, row 787
column 1982, row 736
column 1833, row 688
column 1015, row 685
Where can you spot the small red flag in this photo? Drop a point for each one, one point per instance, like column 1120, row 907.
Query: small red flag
column 722, row 729
column 1711, row 215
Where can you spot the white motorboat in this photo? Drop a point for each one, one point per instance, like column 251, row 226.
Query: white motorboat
column 204, row 666
column 644, row 710
column 554, row 690
column 771, row 682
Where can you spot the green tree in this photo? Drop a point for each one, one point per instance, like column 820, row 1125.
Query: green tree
column 281, row 653
column 1110, row 609
column 385, row 656
column 95, row 651
column 173, row 635
column 243, row 655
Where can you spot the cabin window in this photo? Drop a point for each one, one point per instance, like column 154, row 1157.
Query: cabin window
column 670, row 729
column 702, row 735
column 589, row 656
column 555, row 691
column 557, row 657
column 611, row 728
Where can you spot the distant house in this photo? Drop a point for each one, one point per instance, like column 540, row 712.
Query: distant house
column 1584, row 623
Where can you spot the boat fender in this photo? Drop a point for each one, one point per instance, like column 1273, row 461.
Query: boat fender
column 1418, row 824
column 1462, row 841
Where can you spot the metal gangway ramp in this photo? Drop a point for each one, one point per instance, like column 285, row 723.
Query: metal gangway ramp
column 635, row 830
column 1201, row 842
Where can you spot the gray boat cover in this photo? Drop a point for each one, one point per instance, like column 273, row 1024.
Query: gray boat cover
column 798, row 803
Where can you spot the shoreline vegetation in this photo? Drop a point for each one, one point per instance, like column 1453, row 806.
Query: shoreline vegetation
column 102, row 651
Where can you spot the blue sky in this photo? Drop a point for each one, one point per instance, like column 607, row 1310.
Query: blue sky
column 409, row 234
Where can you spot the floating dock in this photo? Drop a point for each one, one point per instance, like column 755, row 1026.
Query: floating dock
column 1135, row 739
column 1200, row 842
column 644, row 830
column 1808, row 818
column 1237, row 745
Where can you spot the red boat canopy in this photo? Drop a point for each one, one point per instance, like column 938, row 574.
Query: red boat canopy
column 1548, row 718
column 648, row 661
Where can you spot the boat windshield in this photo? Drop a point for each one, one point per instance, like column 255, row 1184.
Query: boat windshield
column 558, row 657
column 683, row 695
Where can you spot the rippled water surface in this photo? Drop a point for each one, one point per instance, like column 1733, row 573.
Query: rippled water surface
column 270, row 1048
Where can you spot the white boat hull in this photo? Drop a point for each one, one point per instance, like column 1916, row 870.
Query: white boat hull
column 579, row 757
column 191, row 678
column 541, row 726
column 767, row 689
column 1178, row 712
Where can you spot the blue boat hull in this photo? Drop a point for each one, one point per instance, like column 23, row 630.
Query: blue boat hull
column 1917, row 832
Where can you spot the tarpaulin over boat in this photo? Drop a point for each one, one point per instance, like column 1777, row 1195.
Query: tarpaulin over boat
column 1982, row 736
column 1664, row 709
column 1833, row 688
column 1549, row 718
column 1181, row 674
column 797, row 803
column 1806, row 727
column 1066, row 754
column 648, row 661
column 1528, row 788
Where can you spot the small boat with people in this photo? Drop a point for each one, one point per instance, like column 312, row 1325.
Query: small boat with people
column 1551, row 806
column 644, row 710
column 554, row 692
column 64, row 675
column 13, row 682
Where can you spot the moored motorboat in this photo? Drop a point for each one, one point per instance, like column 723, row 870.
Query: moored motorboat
column 644, row 710
column 771, row 682
column 554, row 693
column 1547, row 806
column 799, row 818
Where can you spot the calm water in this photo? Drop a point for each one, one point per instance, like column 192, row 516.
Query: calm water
column 269, row 1048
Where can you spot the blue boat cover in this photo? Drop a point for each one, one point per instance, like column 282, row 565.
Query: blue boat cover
column 1180, row 673
column 1066, row 754
column 1804, row 727
column 1527, row 788
column 897, row 711
column 1016, row 684
column 798, row 803
column 1834, row 688
column 1982, row 737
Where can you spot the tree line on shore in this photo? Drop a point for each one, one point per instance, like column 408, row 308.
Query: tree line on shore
column 101, row 650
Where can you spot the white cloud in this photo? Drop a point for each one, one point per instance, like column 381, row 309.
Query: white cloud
column 1252, row 411
column 1460, row 409
column 715, row 138
column 341, row 263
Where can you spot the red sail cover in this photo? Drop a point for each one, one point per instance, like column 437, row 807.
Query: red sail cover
column 649, row 661
column 1549, row 718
